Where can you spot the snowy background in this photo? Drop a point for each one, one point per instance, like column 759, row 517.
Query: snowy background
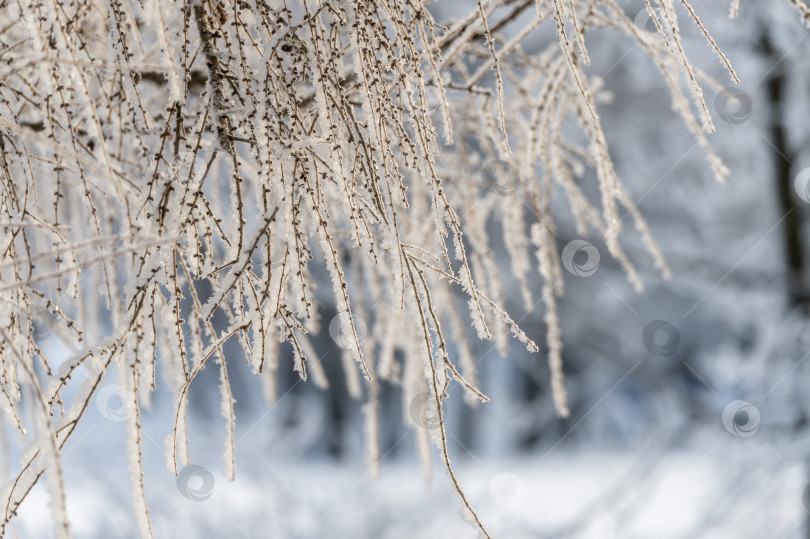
column 646, row 452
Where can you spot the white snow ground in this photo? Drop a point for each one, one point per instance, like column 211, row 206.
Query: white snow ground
column 585, row 495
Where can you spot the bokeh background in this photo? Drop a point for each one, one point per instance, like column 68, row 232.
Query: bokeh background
column 689, row 401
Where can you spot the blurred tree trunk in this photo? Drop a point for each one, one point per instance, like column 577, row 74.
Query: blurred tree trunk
column 783, row 158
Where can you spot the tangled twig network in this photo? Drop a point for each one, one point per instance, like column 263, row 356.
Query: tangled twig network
column 166, row 163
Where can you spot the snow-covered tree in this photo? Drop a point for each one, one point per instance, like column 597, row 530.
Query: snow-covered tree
column 177, row 175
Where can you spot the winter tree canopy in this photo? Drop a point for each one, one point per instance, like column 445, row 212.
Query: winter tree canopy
column 180, row 175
